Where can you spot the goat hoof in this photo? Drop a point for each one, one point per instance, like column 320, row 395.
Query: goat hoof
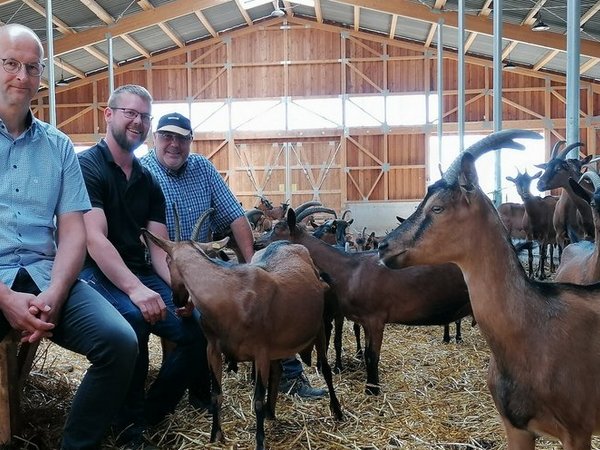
column 372, row 390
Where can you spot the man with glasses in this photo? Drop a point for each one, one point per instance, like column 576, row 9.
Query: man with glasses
column 42, row 246
column 191, row 182
column 125, row 198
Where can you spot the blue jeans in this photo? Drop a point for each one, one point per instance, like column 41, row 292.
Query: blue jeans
column 292, row 368
column 90, row 326
column 187, row 362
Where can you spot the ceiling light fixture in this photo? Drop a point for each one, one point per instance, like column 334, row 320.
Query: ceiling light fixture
column 509, row 66
column 539, row 24
column 277, row 12
column 62, row 81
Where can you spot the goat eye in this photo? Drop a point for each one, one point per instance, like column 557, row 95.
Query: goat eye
column 437, row 209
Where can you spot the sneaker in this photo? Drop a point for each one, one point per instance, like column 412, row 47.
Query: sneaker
column 301, row 387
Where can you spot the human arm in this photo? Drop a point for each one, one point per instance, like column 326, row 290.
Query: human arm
column 114, row 268
column 243, row 236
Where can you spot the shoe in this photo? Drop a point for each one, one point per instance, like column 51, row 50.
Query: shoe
column 301, row 387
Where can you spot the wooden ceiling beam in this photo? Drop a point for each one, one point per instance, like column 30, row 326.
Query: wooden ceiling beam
column 319, row 11
column 202, row 18
column 356, row 18
column 172, row 35
column 540, row 63
column 479, row 24
column 244, row 13
column 132, row 23
column 99, row 11
column 393, row 26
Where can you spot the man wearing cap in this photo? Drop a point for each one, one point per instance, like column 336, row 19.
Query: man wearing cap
column 125, row 198
column 191, row 182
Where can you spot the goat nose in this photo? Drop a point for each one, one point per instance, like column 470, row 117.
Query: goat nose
column 382, row 247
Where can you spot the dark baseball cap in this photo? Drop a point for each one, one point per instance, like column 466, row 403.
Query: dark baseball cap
column 175, row 123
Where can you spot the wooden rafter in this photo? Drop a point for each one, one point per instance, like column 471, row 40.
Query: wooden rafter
column 439, row 4
column 393, row 26
column 129, row 24
column 64, row 29
column 318, row 11
column 202, row 18
column 244, row 13
column 479, row 24
column 484, row 11
column 544, row 59
column 105, row 17
column 356, row 17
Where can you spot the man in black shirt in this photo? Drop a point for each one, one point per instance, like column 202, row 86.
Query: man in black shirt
column 125, row 198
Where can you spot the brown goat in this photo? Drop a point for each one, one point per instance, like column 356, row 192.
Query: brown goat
column 572, row 216
column 372, row 295
column 580, row 263
column 544, row 337
column 512, row 218
column 262, row 312
column 537, row 220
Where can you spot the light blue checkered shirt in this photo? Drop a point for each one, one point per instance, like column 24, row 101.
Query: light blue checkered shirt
column 195, row 187
column 41, row 179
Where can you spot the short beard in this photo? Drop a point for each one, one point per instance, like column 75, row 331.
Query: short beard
column 124, row 143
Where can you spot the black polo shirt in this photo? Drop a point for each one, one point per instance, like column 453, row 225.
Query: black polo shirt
column 128, row 204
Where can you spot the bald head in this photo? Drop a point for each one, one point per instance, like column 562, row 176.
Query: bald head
column 14, row 33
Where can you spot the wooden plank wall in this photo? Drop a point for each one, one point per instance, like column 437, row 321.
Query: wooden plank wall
column 307, row 60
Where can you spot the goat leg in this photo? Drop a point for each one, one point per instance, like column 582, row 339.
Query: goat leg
column 260, row 387
column 373, row 339
column 359, row 350
column 337, row 342
column 216, row 370
column 274, row 377
column 446, row 338
column 458, row 334
column 334, row 403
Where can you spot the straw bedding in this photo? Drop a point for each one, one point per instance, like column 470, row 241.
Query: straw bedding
column 433, row 397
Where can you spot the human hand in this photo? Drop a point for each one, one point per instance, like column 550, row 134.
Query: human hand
column 150, row 304
column 28, row 313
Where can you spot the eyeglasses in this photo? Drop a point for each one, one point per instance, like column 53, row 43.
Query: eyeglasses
column 13, row 66
column 171, row 138
column 132, row 114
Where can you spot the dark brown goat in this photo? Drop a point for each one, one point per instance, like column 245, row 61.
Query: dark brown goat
column 572, row 216
column 372, row 295
column 263, row 311
column 544, row 337
column 537, row 220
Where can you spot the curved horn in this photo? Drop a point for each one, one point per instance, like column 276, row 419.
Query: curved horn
column 313, row 210
column 346, row 212
column 177, row 224
column 563, row 153
column 199, row 222
column 305, row 205
column 497, row 140
column 555, row 148
column 593, row 177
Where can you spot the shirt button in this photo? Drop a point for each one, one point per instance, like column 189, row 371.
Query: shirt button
column 17, row 189
column 14, row 166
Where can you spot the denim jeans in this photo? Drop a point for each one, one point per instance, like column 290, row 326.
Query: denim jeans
column 292, row 368
column 188, row 361
column 90, row 326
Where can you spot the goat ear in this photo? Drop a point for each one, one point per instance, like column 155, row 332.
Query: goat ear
column 160, row 242
column 291, row 219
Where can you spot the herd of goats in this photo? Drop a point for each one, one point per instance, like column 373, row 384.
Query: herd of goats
column 544, row 336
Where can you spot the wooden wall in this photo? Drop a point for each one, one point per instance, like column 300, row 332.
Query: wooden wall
column 305, row 59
